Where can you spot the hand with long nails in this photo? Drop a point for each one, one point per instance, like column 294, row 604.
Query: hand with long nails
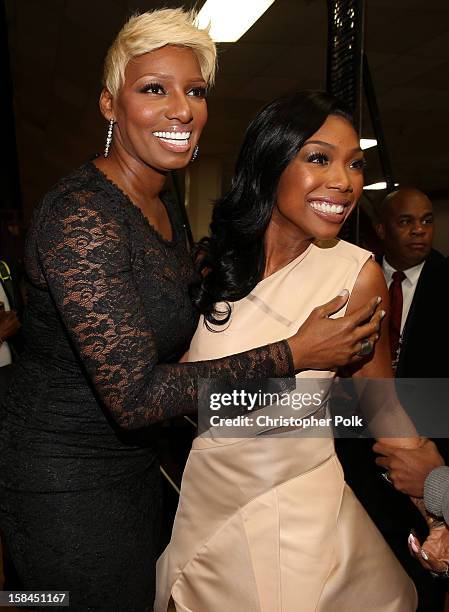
column 433, row 554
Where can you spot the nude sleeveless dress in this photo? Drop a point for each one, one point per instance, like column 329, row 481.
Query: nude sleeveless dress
column 267, row 524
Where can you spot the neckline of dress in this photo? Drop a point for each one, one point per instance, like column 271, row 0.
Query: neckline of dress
column 174, row 239
column 290, row 264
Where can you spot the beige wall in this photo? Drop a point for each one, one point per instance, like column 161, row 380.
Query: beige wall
column 202, row 188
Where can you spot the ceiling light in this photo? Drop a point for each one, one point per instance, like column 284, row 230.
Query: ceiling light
column 378, row 186
column 231, row 19
column 367, row 143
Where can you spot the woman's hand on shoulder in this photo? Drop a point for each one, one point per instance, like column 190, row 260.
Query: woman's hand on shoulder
column 322, row 343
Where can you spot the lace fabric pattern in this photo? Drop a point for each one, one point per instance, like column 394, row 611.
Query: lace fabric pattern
column 120, row 290
column 108, row 316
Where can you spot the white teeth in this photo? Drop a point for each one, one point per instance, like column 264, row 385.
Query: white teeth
column 329, row 208
column 175, row 142
column 173, row 135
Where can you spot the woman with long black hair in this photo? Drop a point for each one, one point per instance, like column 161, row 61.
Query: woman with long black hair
column 266, row 522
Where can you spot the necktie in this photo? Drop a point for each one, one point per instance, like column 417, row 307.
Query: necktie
column 396, row 299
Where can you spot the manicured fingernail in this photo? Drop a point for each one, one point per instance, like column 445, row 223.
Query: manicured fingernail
column 376, row 337
column 424, row 556
column 382, row 314
column 343, row 293
column 378, row 299
column 411, row 540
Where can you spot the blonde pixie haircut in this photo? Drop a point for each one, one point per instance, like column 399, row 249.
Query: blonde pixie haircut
column 153, row 30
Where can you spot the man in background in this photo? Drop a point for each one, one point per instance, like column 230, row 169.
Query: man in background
column 418, row 280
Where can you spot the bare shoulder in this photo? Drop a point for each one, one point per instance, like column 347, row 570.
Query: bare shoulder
column 370, row 283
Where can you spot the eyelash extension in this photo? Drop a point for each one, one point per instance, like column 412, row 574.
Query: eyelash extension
column 146, row 88
column 322, row 157
column 363, row 163
column 318, row 156
column 201, row 90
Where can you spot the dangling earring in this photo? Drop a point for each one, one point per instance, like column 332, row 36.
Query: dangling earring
column 195, row 154
column 108, row 138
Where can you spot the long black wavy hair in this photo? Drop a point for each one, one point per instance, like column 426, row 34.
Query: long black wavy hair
column 232, row 260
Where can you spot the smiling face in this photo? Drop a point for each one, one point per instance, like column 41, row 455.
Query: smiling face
column 406, row 228
column 320, row 187
column 160, row 110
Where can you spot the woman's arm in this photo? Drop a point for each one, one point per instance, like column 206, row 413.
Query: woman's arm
column 84, row 254
column 371, row 282
column 379, row 399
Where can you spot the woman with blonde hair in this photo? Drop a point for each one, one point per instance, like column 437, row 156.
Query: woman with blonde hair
column 109, row 315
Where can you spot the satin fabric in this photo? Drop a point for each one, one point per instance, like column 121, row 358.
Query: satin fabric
column 267, row 523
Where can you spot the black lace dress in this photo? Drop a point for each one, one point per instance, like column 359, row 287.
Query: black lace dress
column 108, row 317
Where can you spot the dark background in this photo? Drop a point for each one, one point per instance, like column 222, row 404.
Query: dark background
column 56, row 49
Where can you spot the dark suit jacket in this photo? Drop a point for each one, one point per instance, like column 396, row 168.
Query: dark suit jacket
column 425, row 347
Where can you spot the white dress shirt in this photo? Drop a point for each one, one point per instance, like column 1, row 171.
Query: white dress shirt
column 408, row 285
column 5, row 351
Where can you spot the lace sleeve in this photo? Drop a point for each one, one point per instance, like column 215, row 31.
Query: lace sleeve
column 85, row 255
